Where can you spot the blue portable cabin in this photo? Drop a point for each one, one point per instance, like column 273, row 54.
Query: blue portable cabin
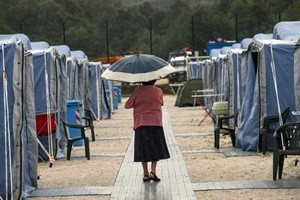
column 217, row 77
column 39, row 45
column 267, row 101
column 45, row 77
column 81, row 77
column 236, row 46
column 290, row 30
column 70, row 64
column 21, row 37
column 223, row 76
column 260, row 92
column 107, row 91
column 263, row 36
column 217, row 45
column 46, row 84
column 192, row 69
column 95, row 86
column 246, row 42
column 63, row 50
column 209, row 76
column 76, row 81
column 17, row 137
column 98, row 98
column 237, row 74
column 229, row 75
column 62, row 96
column 243, row 72
column 71, row 70
column 195, row 69
column 224, row 65
column 287, row 30
column 297, row 77
column 53, row 96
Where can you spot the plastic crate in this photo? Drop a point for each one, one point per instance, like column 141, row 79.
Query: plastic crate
column 45, row 124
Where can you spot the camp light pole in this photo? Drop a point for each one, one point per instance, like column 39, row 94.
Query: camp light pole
column 107, row 41
column 193, row 33
column 64, row 32
column 21, row 27
column 150, row 30
column 279, row 16
column 236, row 27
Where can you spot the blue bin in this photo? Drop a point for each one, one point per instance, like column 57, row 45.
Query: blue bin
column 74, row 116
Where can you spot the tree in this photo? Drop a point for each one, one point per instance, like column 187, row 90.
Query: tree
column 129, row 25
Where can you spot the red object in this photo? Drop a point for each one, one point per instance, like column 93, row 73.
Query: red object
column 186, row 49
column 42, row 124
column 110, row 59
column 77, row 116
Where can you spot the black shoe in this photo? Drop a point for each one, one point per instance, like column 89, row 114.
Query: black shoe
column 146, row 178
column 296, row 162
column 154, row 177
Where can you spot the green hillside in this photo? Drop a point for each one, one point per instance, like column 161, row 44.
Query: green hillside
column 124, row 25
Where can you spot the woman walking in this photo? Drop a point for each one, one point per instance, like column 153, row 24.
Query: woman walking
column 149, row 140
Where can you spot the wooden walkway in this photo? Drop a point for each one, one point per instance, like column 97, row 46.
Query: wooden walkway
column 175, row 183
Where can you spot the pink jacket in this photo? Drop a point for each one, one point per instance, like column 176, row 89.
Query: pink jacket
column 146, row 102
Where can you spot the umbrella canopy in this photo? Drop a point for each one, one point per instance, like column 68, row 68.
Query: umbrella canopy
column 138, row 68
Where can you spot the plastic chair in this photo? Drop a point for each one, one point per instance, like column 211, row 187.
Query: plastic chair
column 72, row 140
column 89, row 122
column 287, row 136
column 269, row 126
column 219, row 126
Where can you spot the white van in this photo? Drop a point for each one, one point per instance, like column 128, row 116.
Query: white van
column 180, row 63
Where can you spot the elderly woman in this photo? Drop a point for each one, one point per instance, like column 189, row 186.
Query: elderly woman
column 150, row 144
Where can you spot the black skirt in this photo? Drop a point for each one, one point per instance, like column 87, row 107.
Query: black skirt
column 150, row 144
